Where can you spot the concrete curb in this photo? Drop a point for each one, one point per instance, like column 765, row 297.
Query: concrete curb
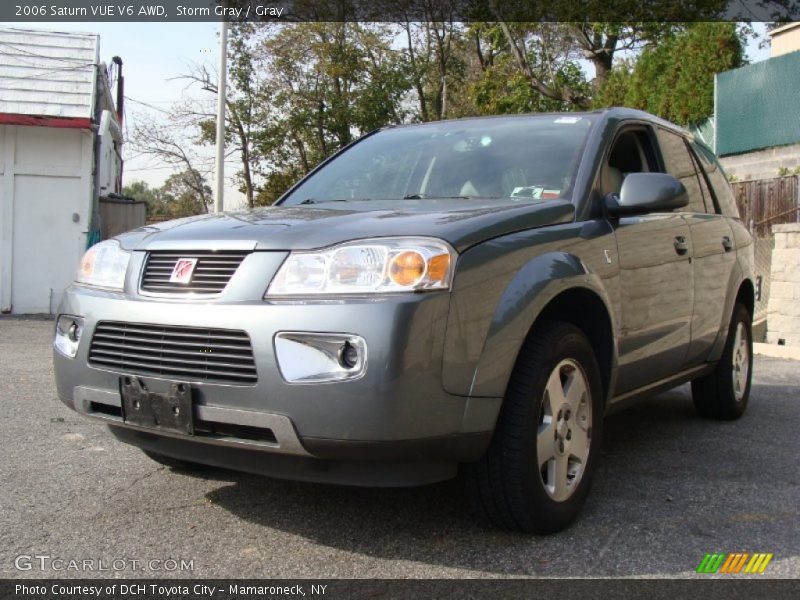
column 775, row 351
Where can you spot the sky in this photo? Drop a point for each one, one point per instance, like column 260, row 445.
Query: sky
column 154, row 54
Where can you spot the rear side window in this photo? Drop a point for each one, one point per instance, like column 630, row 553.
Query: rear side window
column 678, row 163
column 718, row 179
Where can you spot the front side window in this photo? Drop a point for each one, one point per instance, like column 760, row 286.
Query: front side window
column 525, row 158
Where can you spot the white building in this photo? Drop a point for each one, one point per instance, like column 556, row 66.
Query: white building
column 60, row 144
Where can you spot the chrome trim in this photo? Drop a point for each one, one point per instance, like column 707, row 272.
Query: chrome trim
column 198, row 245
column 281, row 426
column 187, row 295
column 293, row 347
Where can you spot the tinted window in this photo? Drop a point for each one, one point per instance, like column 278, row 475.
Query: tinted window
column 708, row 195
column 530, row 158
column 678, row 163
column 719, row 181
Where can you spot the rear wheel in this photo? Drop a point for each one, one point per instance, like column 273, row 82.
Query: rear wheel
column 723, row 393
column 537, row 471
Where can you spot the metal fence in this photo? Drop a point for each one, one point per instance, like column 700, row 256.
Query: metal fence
column 762, row 204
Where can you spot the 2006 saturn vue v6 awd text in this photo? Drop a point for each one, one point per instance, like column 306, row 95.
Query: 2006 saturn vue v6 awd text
column 467, row 295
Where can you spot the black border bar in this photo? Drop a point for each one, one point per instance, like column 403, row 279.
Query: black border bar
column 705, row 587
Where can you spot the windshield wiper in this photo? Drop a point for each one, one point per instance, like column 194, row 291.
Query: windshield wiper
column 425, row 196
column 312, row 201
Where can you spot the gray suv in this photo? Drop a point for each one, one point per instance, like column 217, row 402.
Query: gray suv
column 468, row 295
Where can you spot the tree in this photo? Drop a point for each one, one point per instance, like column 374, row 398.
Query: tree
column 169, row 141
column 244, row 104
column 187, row 193
column 183, row 194
column 525, row 67
column 141, row 190
column 326, row 83
column 675, row 79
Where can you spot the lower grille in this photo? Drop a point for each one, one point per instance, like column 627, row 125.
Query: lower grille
column 182, row 353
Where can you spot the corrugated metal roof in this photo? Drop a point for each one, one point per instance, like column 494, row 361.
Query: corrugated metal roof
column 47, row 73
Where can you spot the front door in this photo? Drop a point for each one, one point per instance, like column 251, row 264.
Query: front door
column 656, row 298
column 655, row 272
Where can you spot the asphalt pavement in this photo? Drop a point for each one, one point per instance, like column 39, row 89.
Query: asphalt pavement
column 670, row 488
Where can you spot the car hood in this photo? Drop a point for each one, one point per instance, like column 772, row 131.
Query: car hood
column 462, row 223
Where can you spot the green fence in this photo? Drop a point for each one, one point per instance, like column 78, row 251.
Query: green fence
column 758, row 106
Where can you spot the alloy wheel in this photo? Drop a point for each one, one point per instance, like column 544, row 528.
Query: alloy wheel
column 564, row 434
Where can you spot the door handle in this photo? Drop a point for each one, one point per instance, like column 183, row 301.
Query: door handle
column 681, row 245
column 727, row 243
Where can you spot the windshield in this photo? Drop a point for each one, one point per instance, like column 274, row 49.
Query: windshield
column 530, row 158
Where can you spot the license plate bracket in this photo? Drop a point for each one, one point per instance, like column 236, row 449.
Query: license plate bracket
column 169, row 411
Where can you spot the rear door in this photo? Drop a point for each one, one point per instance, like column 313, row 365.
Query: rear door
column 714, row 263
column 714, row 255
column 656, row 279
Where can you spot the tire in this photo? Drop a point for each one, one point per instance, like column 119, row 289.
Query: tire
column 508, row 486
column 723, row 393
column 176, row 463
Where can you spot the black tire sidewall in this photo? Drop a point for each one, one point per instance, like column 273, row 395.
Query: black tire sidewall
column 543, row 513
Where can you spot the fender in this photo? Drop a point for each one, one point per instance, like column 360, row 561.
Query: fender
column 538, row 283
column 502, row 286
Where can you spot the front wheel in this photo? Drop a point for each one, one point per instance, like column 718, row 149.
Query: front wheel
column 537, row 471
column 723, row 393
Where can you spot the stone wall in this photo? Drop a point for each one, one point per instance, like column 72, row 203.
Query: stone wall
column 783, row 313
column 762, row 164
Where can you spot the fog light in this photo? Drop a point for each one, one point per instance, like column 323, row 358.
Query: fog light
column 68, row 335
column 348, row 356
column 320, row 357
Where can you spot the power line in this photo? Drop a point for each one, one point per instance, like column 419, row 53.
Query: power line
column 34, row 54
column 135, row 101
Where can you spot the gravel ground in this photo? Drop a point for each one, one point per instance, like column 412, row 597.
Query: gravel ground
column 670, row 487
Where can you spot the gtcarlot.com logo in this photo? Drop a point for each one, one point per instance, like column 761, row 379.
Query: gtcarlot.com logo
column 734, row 563
column 46, row 562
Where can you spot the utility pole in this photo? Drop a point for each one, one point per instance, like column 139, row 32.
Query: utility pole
column 219, row 192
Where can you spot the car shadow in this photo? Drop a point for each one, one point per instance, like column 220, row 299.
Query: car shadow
column 668, row 481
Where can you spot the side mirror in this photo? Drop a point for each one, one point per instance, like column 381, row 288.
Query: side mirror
column 644, row 193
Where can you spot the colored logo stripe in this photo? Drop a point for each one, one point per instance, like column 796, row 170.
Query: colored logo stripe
column 758, row 563
column 710, row 563
column 734, row 562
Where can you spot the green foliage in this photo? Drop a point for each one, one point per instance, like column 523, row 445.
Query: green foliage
column 299, row 92
column 182, row 194
column 675, row 79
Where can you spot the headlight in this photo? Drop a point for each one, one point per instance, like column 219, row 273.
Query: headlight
column 375, row 266
column 104, row 265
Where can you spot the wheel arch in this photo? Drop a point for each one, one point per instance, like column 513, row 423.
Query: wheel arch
column 575, row 295
column 746, row 295
column 584, row 309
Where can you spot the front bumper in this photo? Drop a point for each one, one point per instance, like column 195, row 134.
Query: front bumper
column 397, row 412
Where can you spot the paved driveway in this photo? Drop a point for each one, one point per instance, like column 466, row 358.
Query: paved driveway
column 670, row 488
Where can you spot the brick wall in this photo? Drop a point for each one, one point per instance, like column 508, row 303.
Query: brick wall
column 762, row 164
column 783, row 313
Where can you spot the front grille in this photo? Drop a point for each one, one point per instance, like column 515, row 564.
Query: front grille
column 181, row 353
column 211, row 274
